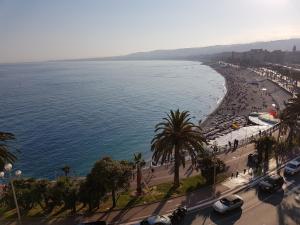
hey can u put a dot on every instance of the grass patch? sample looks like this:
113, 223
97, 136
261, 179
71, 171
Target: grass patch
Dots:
157, 193
126, 199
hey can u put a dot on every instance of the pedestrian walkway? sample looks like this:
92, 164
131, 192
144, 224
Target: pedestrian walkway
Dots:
238, 181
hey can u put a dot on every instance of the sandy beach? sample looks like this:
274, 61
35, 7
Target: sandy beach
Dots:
246, 92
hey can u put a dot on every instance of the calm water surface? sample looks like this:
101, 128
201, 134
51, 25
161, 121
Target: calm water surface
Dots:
76, 112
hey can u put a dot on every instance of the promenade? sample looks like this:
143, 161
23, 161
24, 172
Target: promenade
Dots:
235, 160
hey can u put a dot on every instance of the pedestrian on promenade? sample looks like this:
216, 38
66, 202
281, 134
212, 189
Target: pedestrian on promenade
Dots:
229, 143
237, 173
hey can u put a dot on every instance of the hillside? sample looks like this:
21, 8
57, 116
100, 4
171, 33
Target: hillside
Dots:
188, 53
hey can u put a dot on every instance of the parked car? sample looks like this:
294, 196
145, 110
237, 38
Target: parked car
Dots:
156, 220
228, 203
271, 183
292, 167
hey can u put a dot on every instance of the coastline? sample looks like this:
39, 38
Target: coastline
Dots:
243, 95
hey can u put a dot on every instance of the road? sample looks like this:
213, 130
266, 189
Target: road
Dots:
279, 208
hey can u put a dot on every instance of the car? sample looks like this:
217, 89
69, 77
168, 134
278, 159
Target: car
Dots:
228, 203
292, 168
156, 220
271, 183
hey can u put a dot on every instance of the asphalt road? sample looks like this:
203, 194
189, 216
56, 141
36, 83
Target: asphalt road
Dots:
279, 208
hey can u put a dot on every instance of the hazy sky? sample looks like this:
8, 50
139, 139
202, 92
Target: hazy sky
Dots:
32, 30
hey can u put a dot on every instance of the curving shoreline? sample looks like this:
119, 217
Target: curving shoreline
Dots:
245, 94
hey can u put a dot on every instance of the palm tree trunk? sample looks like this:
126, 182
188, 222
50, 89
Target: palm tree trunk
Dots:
176, 167
290, 136
279, 132
138, 180
113, 195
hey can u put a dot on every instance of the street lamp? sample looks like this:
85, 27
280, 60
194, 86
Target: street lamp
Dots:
7, 168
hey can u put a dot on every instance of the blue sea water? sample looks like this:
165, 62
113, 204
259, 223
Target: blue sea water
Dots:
77, 112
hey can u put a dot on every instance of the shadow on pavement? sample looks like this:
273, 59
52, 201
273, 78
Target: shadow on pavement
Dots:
227, 218
208, 215
288, 212
274, 198
201, 217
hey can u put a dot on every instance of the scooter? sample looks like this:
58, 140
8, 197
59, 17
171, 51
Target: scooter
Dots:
178, 214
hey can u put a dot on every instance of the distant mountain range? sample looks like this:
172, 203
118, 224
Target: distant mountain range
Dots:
200, 52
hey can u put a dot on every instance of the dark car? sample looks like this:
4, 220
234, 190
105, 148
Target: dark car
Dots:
271, 183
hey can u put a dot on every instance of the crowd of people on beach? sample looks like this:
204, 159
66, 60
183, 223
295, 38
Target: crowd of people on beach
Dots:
245, 94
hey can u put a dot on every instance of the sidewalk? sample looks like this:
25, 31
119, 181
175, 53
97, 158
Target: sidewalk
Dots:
164, 174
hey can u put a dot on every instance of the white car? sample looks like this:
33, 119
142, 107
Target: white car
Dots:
228, 203
156, 220
292, 167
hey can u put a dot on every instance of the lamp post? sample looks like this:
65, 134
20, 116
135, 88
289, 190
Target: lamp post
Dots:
215, 170
8, 169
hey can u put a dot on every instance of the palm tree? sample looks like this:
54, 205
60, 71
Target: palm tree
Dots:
139, 162
66, 169
280, 152
292, 114
264, 145
175, 137
5, 154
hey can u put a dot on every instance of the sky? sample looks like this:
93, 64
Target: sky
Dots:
37, 30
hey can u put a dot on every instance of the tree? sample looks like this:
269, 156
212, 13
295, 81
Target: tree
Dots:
264, 146
25, 192
111, 175
292, 117
175, 137
139, 163
210, 166
283, 124
5, 154
280, 151
66, 169
64, 192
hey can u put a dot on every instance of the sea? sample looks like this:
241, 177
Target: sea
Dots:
76, 112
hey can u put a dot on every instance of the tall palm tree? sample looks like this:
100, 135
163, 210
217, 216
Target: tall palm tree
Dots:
175, 137
5, 154
292, 114
139, 163
66, 169
264, 146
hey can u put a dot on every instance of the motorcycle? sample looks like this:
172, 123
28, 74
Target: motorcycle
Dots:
178, 214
